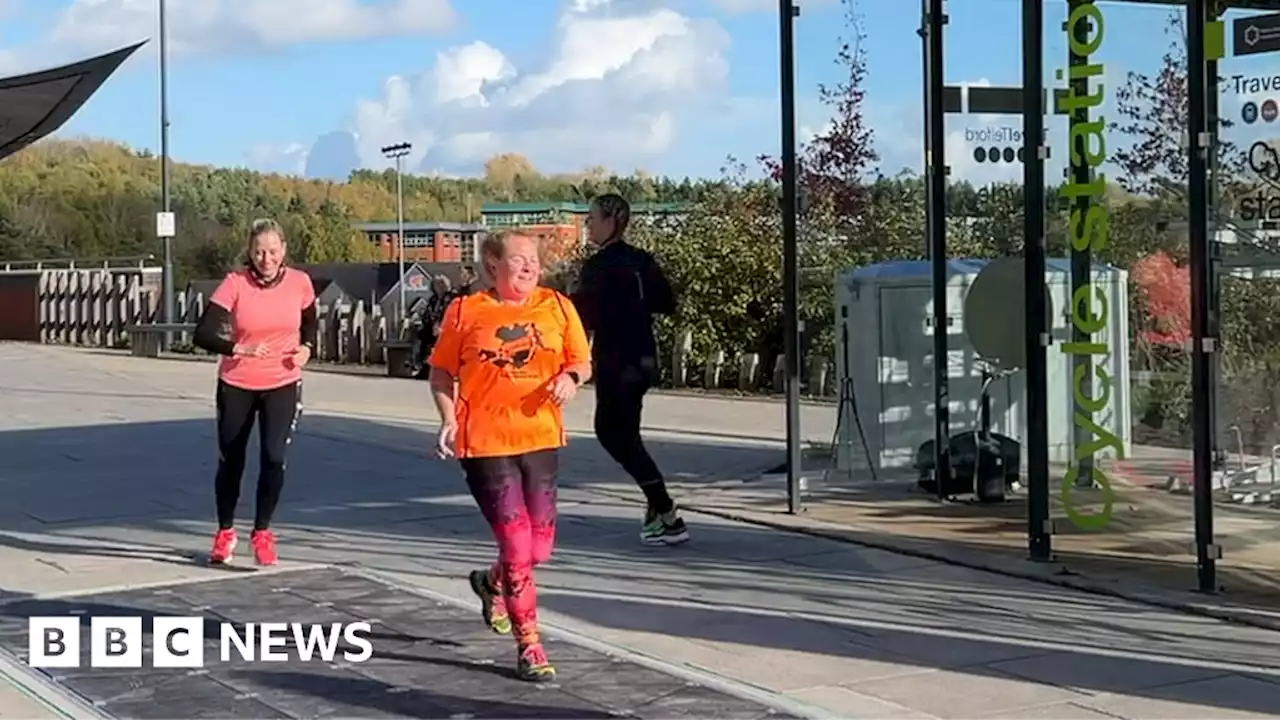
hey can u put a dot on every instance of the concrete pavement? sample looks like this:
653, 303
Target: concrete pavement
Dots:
107, 471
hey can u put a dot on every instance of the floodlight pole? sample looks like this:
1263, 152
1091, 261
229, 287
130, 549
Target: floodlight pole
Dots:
397, 152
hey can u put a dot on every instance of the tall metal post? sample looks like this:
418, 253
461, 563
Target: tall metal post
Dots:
165, 200
398, 152
936, 222
787, 12
400, 233
1216, 216
1039, 539
1203, 342
925, 107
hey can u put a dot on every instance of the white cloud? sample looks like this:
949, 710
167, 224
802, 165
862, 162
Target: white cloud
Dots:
620, 80
202, 26
10, 63
288, 159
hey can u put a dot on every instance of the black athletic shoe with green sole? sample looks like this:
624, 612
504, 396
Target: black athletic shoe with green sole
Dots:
663, 529
492, 607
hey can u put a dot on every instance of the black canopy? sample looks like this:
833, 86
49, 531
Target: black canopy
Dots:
35, 105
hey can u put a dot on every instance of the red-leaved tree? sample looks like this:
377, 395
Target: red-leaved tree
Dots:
835, 165
1164, 289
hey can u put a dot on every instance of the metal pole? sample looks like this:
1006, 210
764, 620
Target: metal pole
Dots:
165, 200
401, 314
935, 134
398, 152
1203, 343
787, 12
1039, 540
1215, 223
923, 32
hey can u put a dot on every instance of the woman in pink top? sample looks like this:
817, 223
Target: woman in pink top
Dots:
270, 313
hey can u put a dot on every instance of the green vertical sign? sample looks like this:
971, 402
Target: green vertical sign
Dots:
1088, 229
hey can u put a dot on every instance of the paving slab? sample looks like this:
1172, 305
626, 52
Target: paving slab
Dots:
19, 703
807, 622
431, 659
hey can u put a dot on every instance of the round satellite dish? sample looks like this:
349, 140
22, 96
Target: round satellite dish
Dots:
995, 312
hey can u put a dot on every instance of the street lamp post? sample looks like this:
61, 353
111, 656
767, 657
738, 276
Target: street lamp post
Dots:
397, 152
787, 12
165, 200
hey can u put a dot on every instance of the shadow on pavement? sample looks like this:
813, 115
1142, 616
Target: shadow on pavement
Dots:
366, 697
370, 494
430, 659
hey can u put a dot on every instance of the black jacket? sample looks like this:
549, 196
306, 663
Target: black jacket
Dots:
620, 289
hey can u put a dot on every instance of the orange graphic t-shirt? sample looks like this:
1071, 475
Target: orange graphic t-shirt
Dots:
504, 357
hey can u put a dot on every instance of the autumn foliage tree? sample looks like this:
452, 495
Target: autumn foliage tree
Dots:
1153, 111
1165, 293
837, 164
1154, 166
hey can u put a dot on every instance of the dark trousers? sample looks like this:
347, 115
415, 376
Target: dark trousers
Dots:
619, 406
422, 342
276, 413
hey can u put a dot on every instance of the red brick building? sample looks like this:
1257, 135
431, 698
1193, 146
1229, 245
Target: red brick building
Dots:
561, 225
437, 242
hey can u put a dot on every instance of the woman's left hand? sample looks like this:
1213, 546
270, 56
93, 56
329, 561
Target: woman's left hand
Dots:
563, 389
300, 357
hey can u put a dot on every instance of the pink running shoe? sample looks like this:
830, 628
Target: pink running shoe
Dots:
264, 547
224, 547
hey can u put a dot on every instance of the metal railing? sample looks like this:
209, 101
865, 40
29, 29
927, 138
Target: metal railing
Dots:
129, 264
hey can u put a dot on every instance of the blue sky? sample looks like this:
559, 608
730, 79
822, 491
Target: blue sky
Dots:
667, 86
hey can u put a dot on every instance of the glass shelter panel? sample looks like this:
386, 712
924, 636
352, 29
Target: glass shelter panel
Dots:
1117, 223
1245, 232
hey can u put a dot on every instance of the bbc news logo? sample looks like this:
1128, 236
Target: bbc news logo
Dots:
179, 642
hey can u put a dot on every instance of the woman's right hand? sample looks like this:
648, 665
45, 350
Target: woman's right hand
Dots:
258, 350
445, 440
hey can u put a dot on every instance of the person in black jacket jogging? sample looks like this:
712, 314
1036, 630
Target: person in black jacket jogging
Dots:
620, 289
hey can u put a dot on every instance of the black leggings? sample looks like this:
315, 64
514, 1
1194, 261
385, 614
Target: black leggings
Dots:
619, 406
277, 413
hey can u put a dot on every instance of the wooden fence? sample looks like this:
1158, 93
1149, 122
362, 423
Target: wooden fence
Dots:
96, 309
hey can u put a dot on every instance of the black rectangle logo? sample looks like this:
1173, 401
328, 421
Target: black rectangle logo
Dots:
1255, 34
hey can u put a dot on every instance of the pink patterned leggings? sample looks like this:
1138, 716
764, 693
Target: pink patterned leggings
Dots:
517, 496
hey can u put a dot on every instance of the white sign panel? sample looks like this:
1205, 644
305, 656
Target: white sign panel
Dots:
166, 225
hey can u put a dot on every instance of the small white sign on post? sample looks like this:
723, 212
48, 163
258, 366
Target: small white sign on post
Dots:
166, 225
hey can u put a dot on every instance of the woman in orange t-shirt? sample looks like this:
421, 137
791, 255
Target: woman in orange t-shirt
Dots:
506, 362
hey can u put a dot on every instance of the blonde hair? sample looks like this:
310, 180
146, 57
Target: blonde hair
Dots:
494, 247
263, 226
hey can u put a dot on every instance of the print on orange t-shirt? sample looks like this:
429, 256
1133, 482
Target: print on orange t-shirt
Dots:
504, 357
271, 315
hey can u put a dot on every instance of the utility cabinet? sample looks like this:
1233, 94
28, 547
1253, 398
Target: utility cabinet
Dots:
884, 363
